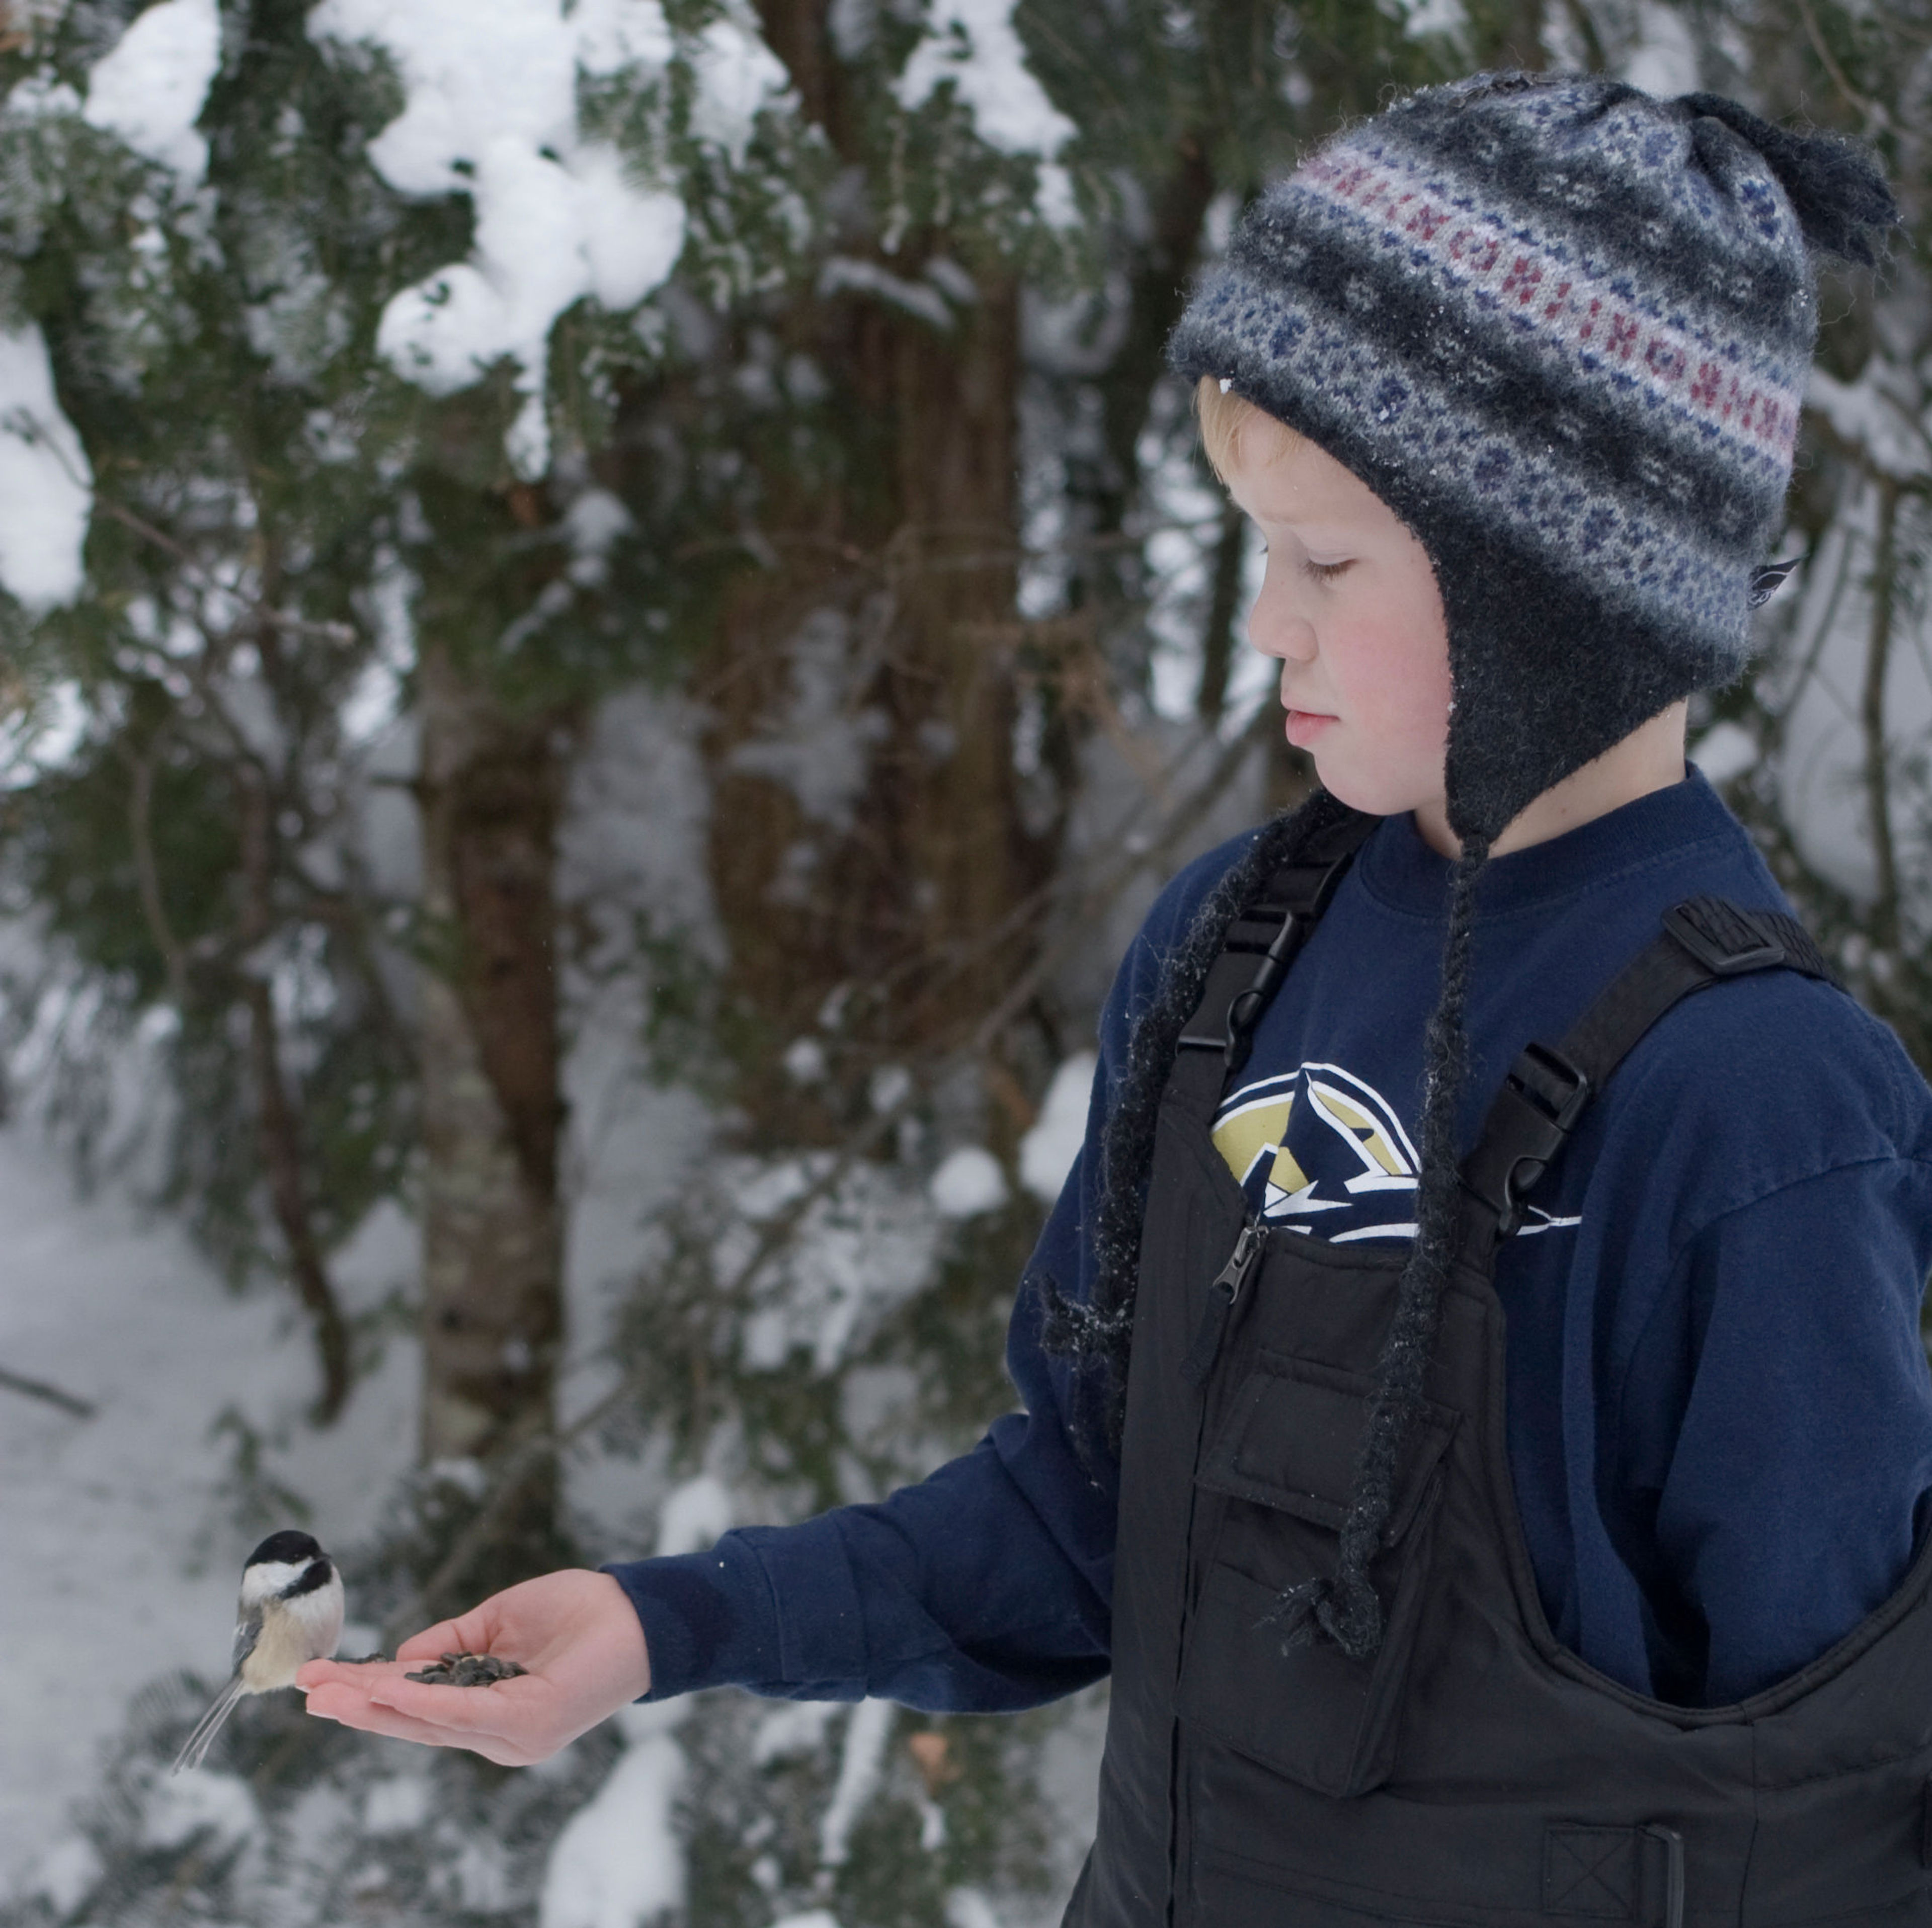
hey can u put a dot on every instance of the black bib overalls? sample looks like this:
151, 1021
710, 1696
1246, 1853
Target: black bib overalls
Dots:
1473, 1772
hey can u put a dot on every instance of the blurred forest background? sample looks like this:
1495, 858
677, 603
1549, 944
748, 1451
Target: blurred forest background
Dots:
607, 619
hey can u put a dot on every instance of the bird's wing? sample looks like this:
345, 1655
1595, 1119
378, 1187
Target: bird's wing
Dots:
247, 1631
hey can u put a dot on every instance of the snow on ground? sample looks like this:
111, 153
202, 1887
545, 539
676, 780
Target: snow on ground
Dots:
117, 1308
115, 1305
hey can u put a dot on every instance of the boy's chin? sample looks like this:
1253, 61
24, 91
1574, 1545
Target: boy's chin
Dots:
1375, 795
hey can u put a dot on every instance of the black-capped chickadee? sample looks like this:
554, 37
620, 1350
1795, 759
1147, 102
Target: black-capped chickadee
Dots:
290, 1612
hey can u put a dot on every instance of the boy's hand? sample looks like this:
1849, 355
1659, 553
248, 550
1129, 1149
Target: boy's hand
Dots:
575, 1633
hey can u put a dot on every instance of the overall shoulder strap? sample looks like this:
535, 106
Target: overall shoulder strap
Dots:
1256, 951
1704, 940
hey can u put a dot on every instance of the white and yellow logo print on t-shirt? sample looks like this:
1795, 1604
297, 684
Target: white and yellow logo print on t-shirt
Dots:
1320, 1151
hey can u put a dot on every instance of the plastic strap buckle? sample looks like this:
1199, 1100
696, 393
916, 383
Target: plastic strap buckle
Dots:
1541, 1099
1725, 940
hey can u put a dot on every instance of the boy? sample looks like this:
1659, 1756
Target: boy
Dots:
1406, 1623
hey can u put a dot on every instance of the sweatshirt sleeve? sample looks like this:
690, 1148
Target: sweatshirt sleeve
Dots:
987, 1586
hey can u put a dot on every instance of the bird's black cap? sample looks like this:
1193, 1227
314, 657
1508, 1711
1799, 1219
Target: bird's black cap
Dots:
287, 1547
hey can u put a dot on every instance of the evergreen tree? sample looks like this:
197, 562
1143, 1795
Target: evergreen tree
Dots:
805, 369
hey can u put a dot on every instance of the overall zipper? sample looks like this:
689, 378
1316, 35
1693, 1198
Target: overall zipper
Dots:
1222, 1292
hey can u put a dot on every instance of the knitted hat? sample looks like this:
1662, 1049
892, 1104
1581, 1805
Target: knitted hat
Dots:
1563, 329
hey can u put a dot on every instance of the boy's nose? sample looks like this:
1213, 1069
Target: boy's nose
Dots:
1280, 633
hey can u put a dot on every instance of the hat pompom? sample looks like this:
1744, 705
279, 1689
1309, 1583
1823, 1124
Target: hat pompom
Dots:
1844, 206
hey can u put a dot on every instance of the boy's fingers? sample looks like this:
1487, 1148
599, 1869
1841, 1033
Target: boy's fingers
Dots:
445, 1637
465, 1709
313, 1673
371, 1717
351, 1709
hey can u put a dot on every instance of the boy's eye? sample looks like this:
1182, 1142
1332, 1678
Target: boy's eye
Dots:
1324, 572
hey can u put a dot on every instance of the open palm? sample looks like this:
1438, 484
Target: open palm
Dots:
576, 1634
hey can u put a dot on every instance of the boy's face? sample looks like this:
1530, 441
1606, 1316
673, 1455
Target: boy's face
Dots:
1350, 606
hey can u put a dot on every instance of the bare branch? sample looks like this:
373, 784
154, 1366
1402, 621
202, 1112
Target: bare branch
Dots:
1874, 112
282, 1152
1885, 915
52, 1395
147, 878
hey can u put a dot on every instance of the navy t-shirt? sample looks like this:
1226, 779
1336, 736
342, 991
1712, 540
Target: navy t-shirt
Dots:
1720, 1411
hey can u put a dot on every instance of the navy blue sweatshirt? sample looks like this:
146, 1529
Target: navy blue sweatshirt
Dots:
1720, 1411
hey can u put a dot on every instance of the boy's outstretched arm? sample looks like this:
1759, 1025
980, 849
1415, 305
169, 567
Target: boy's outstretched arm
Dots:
987, 1586
576, 1634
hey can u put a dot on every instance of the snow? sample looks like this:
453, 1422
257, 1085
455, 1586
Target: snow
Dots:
491, 111
46, 487
972, 45
1821, 764
43, 737
617, 1863
792, 1729
66, 1873
149, 87
373, 702
804, 1061
1048, 1151
1725, 750
968, 1182
856, 1252
819, 745
1663, 56
182, 1807
1882, 414
397, 1805
146, 1482
860, 1765
695, 1516
841, 272
1435, 17
738, 78
594, 524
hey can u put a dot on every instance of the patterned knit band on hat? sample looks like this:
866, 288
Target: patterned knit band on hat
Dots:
1563, 330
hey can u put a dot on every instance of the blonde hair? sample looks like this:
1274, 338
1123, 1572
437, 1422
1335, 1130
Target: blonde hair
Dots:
1227, 422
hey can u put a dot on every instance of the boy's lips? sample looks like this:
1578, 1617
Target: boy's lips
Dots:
1304, 726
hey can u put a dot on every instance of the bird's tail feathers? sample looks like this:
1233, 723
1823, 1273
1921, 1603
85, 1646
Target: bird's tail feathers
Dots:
194, 1749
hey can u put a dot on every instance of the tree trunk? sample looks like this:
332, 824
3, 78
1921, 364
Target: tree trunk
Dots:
867, 833
490, 788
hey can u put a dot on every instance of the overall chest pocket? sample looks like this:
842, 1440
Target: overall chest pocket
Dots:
1278, 1474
